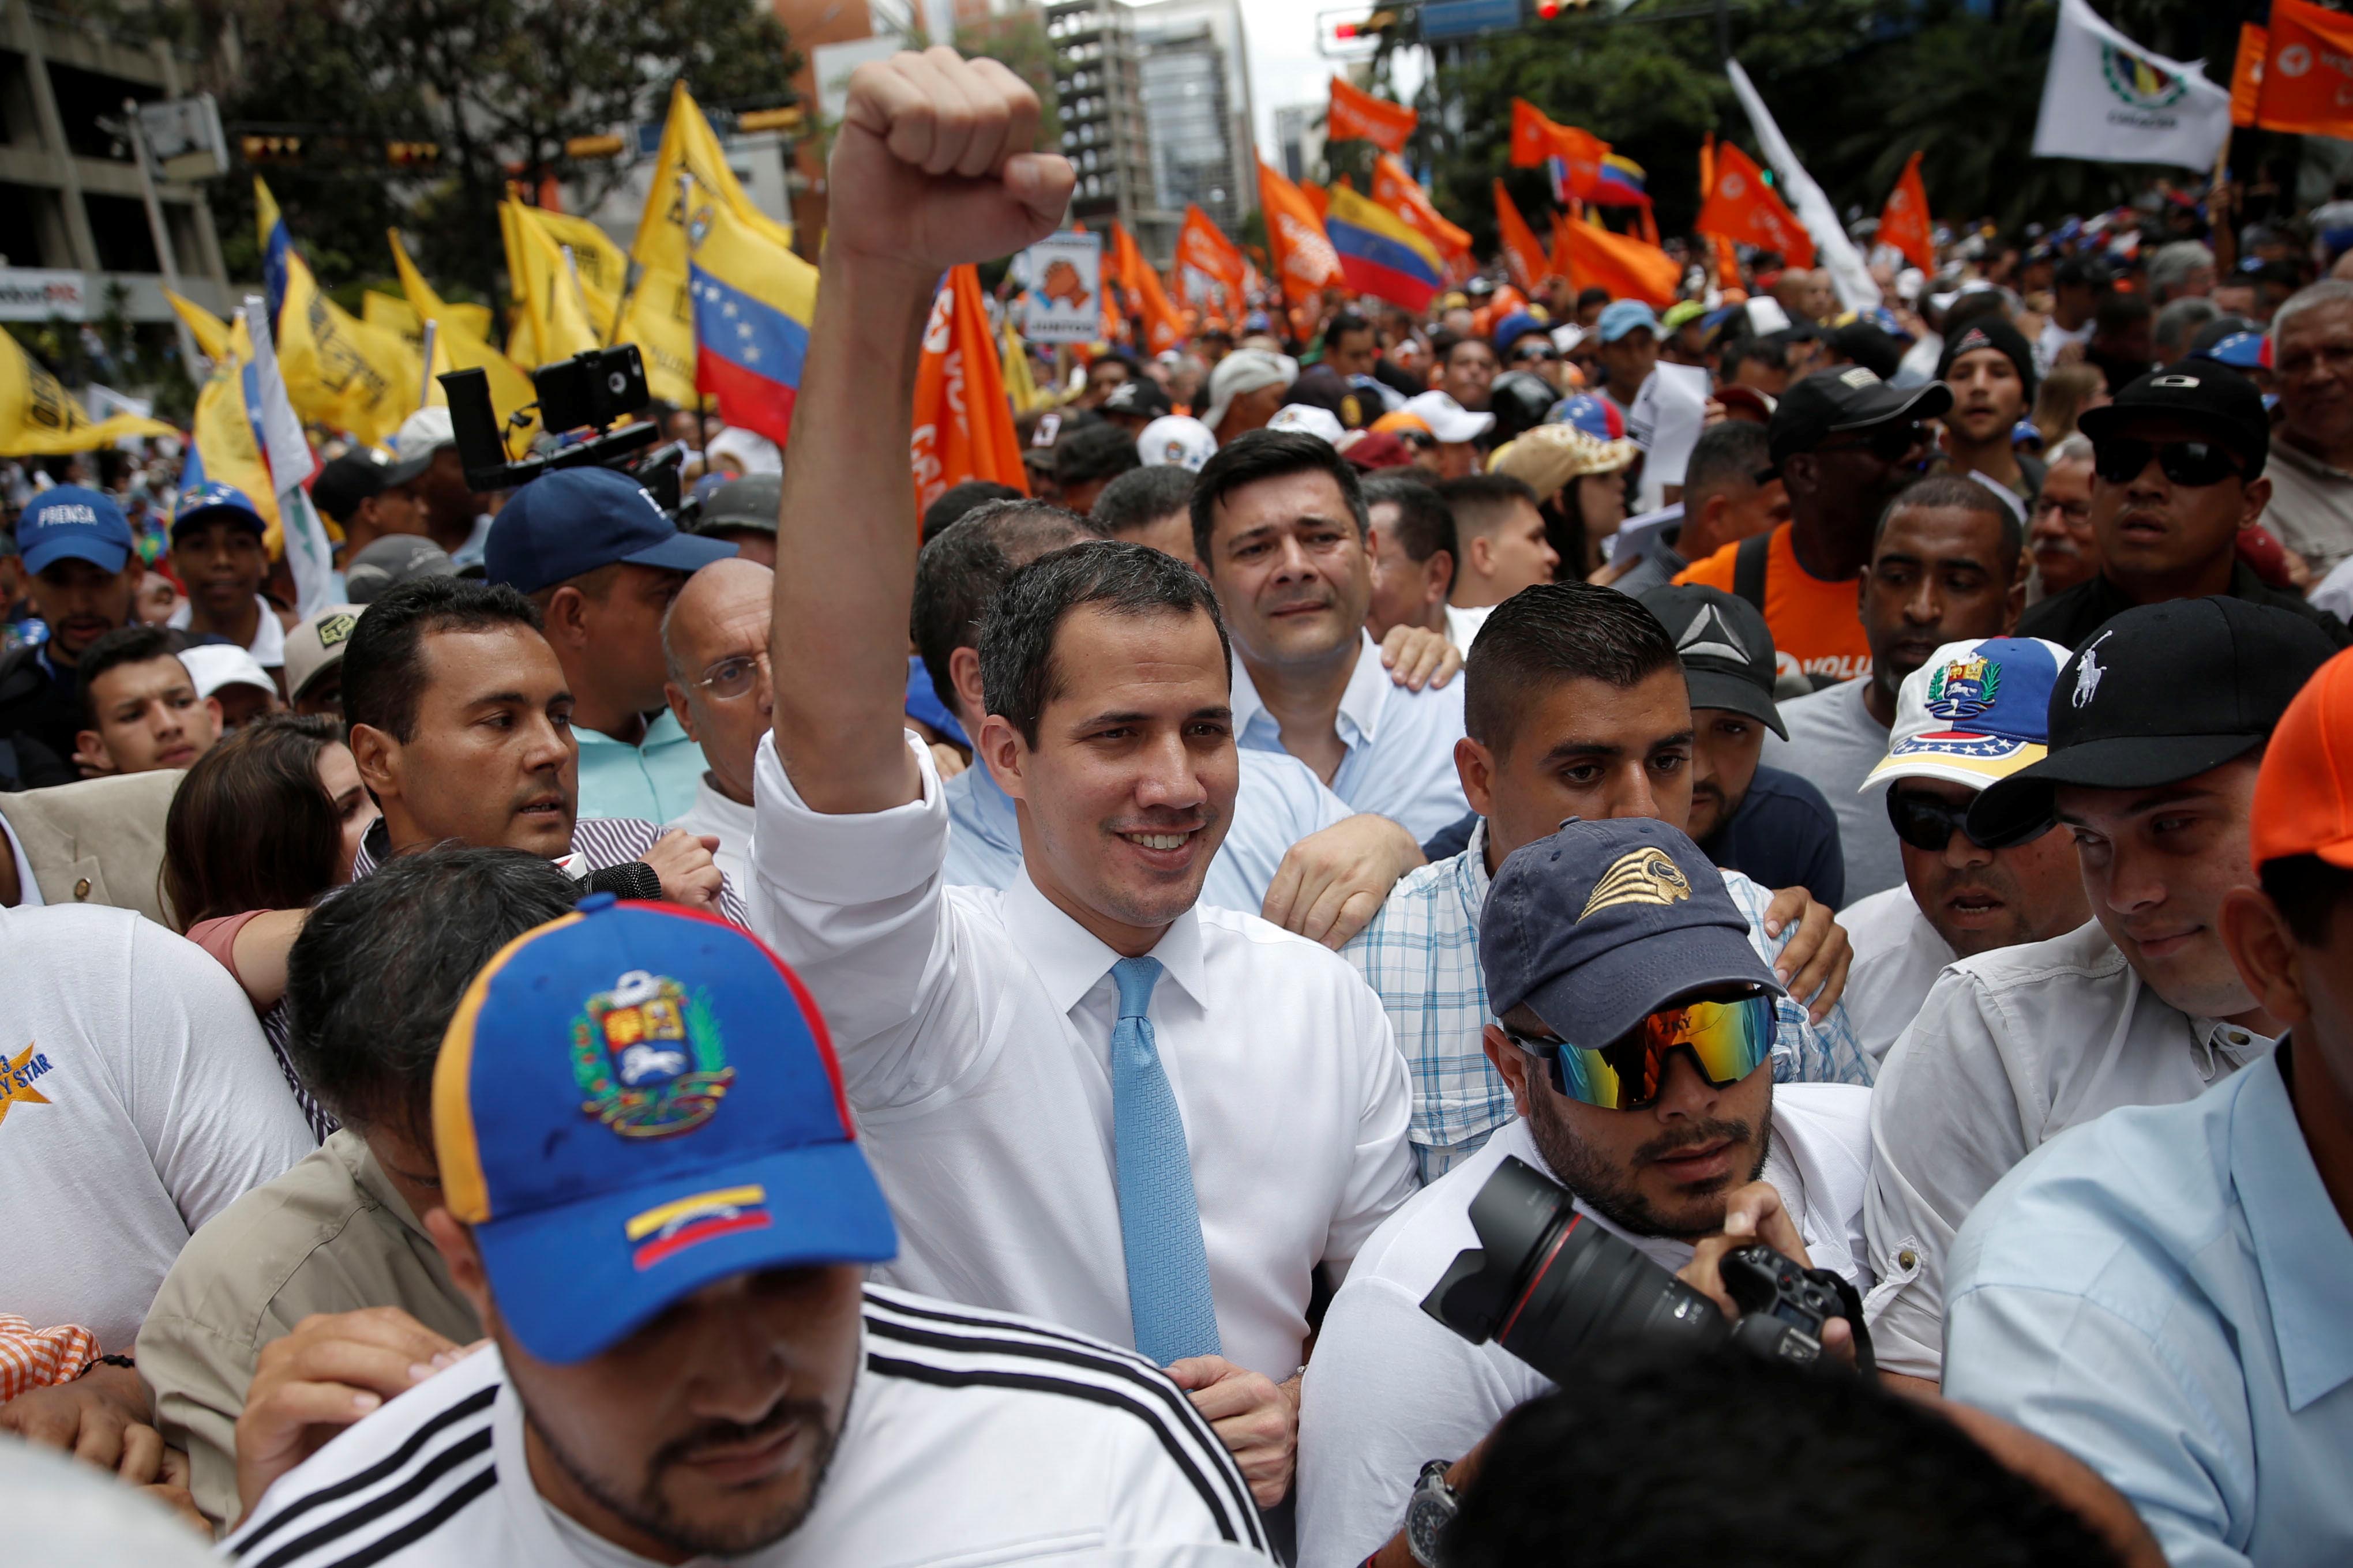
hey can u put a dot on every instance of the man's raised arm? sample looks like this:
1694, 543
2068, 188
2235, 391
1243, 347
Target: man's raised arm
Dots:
931, 167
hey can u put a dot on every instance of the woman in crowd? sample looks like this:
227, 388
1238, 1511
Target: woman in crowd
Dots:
2067, 393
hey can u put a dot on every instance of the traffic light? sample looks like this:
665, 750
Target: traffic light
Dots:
413, 154
264, 150
786, 119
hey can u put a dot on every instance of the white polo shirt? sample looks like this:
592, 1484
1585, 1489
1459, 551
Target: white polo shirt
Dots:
1389, 1387
974, 1031
1897, 957
2010, 1049
970, 1437
268, 645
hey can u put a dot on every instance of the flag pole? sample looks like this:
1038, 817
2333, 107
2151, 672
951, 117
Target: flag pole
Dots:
686, 223
425, 389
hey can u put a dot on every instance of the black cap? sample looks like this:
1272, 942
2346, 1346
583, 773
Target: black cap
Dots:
2213, 397
1725, 647
344, 483
2090, 268
395, 559
1995, 333
2158, 694
749, 502
1869, 346
1138, 397
1851, 399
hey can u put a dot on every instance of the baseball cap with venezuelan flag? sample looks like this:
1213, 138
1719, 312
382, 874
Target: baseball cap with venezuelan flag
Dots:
633, 1102
1977, 711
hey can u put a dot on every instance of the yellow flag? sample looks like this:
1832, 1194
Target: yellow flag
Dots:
390, 313
39, 418
1020, 385
458, 344
548, 289
339, 371
224, 445
604, 265
210, 332
660, 319
689, 147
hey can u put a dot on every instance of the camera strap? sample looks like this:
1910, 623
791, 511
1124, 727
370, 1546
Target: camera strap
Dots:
1865, 1362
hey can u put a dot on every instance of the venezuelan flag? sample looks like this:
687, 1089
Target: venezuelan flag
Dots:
1379, 254
752, 301
1619, 182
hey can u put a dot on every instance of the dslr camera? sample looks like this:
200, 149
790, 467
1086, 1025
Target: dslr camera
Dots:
592, 390
1552, 1287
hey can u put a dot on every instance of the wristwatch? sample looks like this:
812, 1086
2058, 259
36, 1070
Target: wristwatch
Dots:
1429, 1512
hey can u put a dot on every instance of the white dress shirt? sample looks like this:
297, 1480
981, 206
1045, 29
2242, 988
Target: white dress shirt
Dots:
1280, 802
725, 820
1389, 1387
1897, 957
2011, 1049
1401, 743
974, 1032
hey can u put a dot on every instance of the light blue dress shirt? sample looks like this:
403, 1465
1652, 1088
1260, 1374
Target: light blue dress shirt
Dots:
1400, 761
1280, 803
2167, 1292
653, 781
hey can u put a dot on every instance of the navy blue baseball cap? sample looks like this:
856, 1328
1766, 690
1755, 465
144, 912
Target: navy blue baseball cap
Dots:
68, 520
634, 1101
575, 519
1606, 922
213, 500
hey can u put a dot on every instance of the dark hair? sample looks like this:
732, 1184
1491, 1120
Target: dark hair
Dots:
383, 663
1958, 492
249, 828
1481, 503
1446, 358
123, 645
1268, 455
380, 967
2308, 892
958, 499
2116, 311
1724, 462
1592, 297
1976, 302
1343, 325
1551, 633
1017, 674
1424, 525
1142, 496
1098, 452
1771, 352
1652, 1460
958, 573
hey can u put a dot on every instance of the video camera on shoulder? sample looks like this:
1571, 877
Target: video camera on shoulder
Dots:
1551, 1287
591, 391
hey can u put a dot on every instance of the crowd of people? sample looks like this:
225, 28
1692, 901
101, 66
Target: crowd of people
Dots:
825, 1034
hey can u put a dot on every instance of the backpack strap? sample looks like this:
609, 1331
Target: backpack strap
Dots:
1748, 569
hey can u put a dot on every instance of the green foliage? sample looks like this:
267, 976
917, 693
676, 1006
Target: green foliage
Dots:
1018, 40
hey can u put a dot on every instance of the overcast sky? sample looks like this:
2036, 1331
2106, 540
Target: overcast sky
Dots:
1285, 67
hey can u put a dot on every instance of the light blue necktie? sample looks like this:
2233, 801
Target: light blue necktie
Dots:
1159, 1218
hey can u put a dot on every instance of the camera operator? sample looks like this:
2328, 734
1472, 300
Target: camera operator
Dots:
1607, 931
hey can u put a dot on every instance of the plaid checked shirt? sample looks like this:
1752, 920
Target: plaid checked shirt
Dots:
1421, 954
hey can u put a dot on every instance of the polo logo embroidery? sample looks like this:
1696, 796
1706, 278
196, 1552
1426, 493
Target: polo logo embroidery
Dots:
1645, 876
649, 1057
2088, 673
673, 1227
1963, 690
17, 1076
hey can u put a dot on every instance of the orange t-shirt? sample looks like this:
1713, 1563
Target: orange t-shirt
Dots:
1817, 629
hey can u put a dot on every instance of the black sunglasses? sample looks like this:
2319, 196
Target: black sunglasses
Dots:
1928, 823
2196, 464
1534, 353
1888, 443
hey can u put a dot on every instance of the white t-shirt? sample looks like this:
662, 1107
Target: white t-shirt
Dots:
1833, 744
137, 1101
2055, 337
724, 820
268, 645
1390, 1388
972, 1438
1897, 957
1463, 625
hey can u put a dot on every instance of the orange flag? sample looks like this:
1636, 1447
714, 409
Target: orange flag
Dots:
1302, 255
2247, 72
1139, 286
1400, 192
1727, 262
1903, 221
2308, 74
1741, 207
1202, 247
1592, 257
1317, 197
1357, 115
1526, 259
1536, 138
963, 421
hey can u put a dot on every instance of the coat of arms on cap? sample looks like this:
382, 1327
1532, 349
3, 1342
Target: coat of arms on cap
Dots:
1963, 690
648, 1056
1645, 876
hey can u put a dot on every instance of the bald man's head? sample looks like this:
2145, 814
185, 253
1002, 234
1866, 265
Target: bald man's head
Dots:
715, 643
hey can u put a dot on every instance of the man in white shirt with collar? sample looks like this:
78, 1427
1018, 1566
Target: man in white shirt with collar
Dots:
216, 546
1618, 932
1279, 521
2158, 725
1085, 1097
715, 645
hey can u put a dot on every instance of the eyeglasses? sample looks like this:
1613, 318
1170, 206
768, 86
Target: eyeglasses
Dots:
1888, 443
1534, 351
1726, 1041
1420, 440
1928, 823
732, 679
2195, 464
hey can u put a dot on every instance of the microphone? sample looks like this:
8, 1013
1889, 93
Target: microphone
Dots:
631, 880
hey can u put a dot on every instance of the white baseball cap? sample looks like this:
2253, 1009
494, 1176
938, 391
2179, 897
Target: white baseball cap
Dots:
1448, 420
215, 665
1175, 439
422, 431
1308, 420
1246, 371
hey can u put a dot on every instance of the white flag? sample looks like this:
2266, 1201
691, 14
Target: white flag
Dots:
2108, 99
1850, 275
288, 451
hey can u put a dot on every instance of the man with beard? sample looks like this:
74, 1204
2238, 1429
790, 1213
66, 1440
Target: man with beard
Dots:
1990, 368
1614, 932
685, 1358
1977, 711
2059, 528
84, 572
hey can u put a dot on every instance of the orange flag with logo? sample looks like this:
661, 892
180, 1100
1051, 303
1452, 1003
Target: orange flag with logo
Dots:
1526, 258
1903, 221
1139, 285
2308, 71
1592, 257
1536, 138
1357, 114
2247, 72
1400, 192
1741, 207
964, 420
1301, 254
1202, 247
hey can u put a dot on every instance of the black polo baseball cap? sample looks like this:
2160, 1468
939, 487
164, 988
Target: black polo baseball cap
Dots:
1725, 647
751, 502
2203, 393
2158, 694
1606, 922
1850, 397
2089, 270
1138, 397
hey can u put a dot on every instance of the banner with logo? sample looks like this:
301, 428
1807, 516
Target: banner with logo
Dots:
2110, 101
1357, 114
2307, 79
1903, 221
2247, 72
1065, 304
